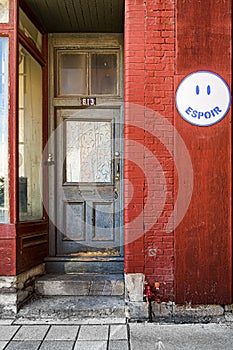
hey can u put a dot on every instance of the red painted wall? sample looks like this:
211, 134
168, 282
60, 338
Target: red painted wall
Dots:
164, 42
22, 245
203, 241
8, 231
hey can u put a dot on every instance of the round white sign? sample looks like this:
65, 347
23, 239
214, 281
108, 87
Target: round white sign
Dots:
203, 98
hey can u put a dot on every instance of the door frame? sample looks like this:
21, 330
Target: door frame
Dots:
80, 41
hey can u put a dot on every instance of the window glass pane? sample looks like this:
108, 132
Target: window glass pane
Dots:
30, 30
88, 151
4, 11
4, 199
30, 137
73, 75
104, 74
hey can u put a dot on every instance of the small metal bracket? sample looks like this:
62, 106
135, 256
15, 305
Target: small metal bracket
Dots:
50, 160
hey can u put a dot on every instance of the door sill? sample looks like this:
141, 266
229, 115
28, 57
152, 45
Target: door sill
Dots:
85, 264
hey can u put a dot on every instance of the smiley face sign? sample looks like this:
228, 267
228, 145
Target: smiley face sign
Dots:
203, 98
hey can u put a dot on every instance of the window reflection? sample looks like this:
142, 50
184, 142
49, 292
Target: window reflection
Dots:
30, 30
87, 73
104, 74
4, 200
30, 137
4, 11
73, 80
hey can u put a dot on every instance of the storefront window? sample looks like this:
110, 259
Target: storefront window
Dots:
4, 200
4, 11
30, 30
30, 137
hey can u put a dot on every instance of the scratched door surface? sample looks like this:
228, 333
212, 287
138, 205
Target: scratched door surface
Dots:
88, 181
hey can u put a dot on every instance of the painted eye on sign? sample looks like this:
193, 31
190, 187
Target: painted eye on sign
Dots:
203, 98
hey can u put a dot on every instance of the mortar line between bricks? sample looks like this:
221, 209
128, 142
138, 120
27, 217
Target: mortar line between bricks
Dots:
128, 334
44, 337
108, 341
76, 338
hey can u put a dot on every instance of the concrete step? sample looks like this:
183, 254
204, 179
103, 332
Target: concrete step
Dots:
85, 264
80, 285
71, 309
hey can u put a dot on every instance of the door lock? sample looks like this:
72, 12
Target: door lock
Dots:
115, 193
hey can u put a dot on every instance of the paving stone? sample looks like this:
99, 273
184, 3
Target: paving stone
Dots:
7, 332
118, 332
2, 344
62, 333
181, 337
23, 345
118, 344
90, 345
93, 333
31, 333
57, 345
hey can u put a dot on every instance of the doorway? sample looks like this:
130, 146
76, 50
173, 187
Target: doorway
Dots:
86, 150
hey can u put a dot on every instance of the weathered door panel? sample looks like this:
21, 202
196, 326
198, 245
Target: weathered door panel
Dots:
87, 204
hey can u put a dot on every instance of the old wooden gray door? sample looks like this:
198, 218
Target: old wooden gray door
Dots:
89, 171
88, 146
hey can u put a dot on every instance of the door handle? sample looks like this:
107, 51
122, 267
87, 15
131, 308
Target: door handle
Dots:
115, 192
117, 176
117, 169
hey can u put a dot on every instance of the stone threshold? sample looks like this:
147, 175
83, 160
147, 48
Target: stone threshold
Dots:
79, 284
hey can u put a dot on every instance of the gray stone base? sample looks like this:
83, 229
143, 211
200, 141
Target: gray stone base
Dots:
14, 290
71, 309
138, 310
169, 312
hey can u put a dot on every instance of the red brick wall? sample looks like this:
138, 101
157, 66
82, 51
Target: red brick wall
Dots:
164, 42
149, 75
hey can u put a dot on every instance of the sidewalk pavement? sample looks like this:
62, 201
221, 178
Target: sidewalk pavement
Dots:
131, 336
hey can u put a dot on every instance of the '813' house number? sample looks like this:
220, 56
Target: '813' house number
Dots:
88, 101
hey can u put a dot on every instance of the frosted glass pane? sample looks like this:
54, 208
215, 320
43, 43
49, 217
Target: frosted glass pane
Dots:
104, 74
4, 11
4, 197
73, 78
88, 151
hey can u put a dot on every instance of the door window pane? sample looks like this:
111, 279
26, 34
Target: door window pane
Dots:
88, 151
73, 74
4, 11
104, 74
4, 198
30, 137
